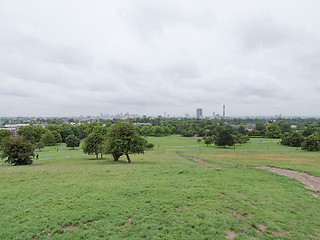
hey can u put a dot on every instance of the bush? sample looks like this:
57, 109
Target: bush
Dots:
72, 141
292, 139
19, 151
312, 142
149, 146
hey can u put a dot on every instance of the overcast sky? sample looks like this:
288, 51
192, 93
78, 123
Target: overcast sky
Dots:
73, 57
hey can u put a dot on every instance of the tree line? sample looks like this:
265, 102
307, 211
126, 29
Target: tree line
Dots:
222, 132
118, 139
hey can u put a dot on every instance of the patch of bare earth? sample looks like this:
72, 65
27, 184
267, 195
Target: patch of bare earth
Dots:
239, 215
280, 233
231, 234
310, 182
194, 159
70, 227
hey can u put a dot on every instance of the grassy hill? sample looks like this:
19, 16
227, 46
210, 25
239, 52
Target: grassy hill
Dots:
161, 195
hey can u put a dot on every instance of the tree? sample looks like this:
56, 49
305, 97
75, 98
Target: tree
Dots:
39, 145
294, 139
72, 141
209, 140
224, 138
284, 127
32, 133
242, 130
18, 151
260, 127
48, 139
150, 146
157, 131
4, 133
312, 142
93, 144
65, 130
273, 131
124, 139
241, 139
189, 133
145, 130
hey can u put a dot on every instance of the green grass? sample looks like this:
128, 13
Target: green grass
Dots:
175, 142
161, 195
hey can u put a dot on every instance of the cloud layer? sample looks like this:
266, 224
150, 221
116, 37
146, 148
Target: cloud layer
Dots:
89, 57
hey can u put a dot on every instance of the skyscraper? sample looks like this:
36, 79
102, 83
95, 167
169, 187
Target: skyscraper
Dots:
224, 111
199, 113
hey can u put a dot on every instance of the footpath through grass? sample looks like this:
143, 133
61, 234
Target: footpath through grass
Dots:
161, 195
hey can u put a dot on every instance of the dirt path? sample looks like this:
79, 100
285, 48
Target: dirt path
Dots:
310, 182
194, 159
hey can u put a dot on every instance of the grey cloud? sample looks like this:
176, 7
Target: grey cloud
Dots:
265, 33
155, 56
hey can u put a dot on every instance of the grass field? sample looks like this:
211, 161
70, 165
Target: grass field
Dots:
161, 195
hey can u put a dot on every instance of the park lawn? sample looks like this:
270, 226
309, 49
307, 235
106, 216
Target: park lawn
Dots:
161, 195
176, 142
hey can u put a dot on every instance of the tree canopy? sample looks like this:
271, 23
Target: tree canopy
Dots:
72, 141
224, 138
18, 151
273, 131
4, 133
93, 144
124, 139
48, 139
312, 142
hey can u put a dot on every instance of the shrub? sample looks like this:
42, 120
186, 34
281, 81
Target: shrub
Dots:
19, 151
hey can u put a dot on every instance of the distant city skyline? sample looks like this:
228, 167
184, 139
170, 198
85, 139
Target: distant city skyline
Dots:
259, 58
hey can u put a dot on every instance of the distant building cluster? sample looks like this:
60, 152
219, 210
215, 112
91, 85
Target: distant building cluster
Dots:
199, 114
14, 128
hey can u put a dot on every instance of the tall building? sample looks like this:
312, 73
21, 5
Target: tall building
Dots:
224, 111
199, 113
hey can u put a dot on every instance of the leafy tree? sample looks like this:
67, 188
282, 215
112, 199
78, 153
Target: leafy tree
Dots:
4, 133
32, 133
48, 139
189, 133
39, 145
145, 130
294, 139
171, 129
18, 151
124, 139
65, 130
149, 146
242, 130
57, 136
308, 131
254, 133
260, 127
157, 131
224, 138
52, 127
312, 142
72, 141
241, 139
93, 144
101, 129
209, 140
284, 127
273, 131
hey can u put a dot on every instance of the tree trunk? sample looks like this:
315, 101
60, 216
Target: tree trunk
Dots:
115, 157
129, 161
97, 156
